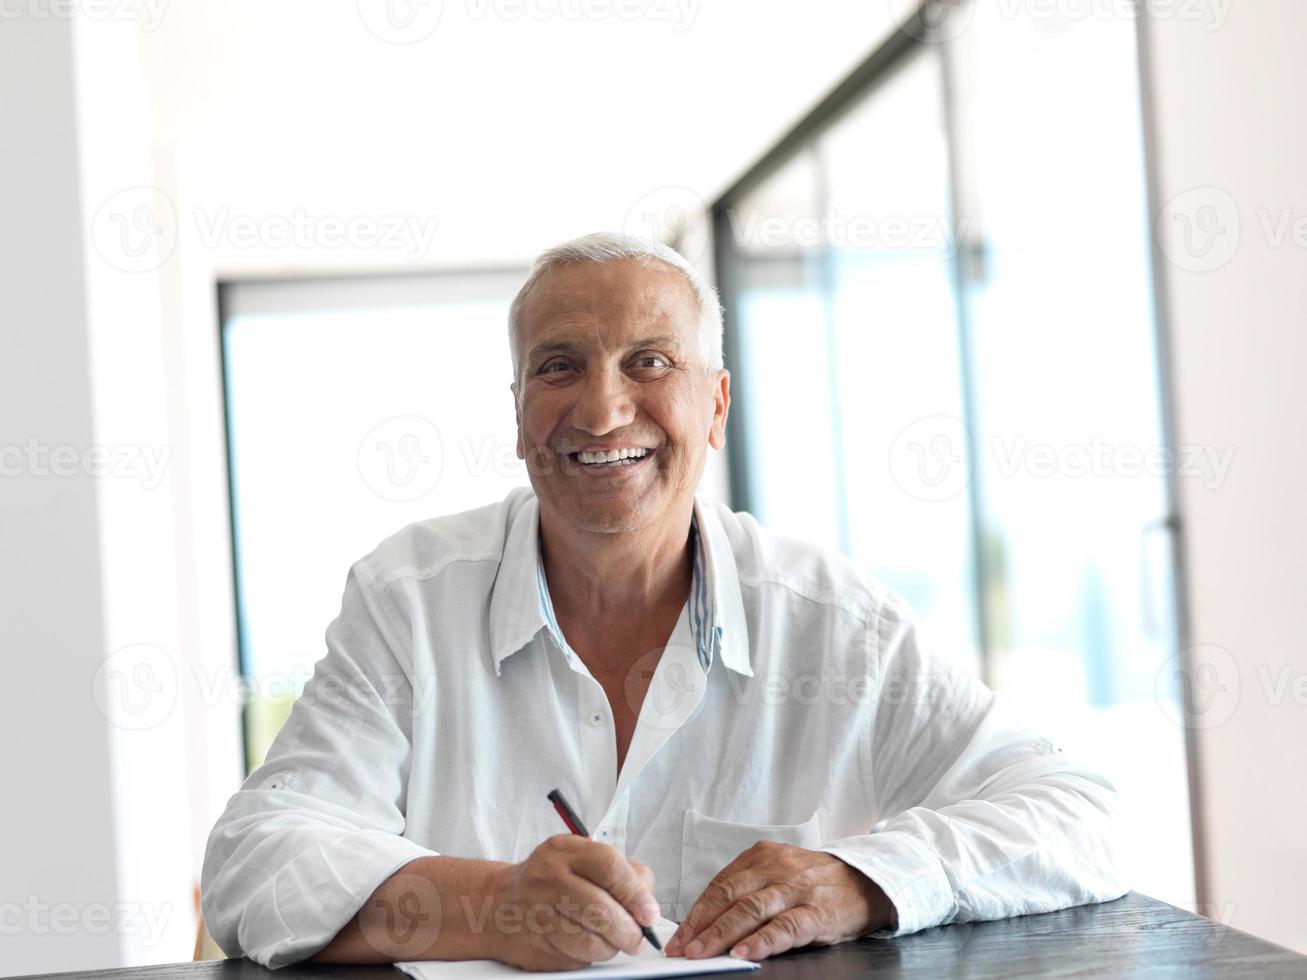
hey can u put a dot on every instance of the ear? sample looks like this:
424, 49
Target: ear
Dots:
517, 414
721, 408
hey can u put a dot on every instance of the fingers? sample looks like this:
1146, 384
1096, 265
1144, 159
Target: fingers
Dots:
599, 891
742, 918
790, 929
609, 870
585, 907
572, 902
726, 888
645, 874
776, 897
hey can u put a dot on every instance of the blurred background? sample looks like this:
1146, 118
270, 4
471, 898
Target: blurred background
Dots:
1015, 310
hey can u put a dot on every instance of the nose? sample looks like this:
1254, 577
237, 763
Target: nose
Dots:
603, 403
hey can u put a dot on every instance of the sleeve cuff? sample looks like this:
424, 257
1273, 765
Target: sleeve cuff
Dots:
909, 874
306, 903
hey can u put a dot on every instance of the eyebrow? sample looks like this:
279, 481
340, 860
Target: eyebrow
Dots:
571, 346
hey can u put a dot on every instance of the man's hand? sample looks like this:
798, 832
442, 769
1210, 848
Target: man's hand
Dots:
571, 903
775, 897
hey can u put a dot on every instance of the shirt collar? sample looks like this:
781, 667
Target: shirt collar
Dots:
520, 606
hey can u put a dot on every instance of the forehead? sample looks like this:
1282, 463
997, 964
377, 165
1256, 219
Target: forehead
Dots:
609, 301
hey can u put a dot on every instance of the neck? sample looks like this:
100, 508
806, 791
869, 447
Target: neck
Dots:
599, 577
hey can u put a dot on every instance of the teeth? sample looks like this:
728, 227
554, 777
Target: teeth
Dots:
612, 456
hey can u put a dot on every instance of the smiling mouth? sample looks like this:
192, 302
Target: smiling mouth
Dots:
598, 462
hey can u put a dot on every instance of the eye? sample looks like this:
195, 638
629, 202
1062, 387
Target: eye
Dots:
642, 361
552, 364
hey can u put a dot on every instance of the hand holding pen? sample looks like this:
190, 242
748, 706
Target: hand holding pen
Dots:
575, 825
568, 905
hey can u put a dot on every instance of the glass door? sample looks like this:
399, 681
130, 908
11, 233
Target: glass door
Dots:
945, 365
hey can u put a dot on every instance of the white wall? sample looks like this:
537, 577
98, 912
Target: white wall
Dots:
1232, 154
89, 607
57, 849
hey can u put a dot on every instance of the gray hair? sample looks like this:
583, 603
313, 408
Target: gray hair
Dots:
606, 246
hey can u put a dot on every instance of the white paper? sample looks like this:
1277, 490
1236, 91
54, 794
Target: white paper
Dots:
647, 963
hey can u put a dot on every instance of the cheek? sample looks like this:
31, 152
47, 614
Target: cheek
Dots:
687, 418
539, 419
680, 417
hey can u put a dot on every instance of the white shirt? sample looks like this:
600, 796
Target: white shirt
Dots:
793, 702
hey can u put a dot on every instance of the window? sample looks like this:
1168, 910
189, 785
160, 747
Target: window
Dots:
354, 407
941, 334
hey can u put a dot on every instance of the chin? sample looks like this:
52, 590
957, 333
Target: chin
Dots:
607, 517
600, 514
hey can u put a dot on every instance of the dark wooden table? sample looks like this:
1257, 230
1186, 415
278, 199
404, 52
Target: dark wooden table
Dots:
1135, 936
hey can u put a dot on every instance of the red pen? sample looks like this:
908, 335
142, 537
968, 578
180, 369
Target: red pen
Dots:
575, 825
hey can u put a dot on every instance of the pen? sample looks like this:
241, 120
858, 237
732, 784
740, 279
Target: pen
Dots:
575, 825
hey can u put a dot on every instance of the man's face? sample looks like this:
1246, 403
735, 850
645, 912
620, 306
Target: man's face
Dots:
610, 360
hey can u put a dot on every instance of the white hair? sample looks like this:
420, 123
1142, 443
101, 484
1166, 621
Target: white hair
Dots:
605, 246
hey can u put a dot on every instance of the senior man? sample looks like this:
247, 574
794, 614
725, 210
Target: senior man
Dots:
762, 748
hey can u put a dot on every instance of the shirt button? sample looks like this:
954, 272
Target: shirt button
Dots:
603, 833
596, 718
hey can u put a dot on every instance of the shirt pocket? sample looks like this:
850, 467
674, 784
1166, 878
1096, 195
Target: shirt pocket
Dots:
709, 844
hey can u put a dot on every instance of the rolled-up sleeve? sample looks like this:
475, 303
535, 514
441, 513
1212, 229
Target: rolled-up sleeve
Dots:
319, 826
981, 817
